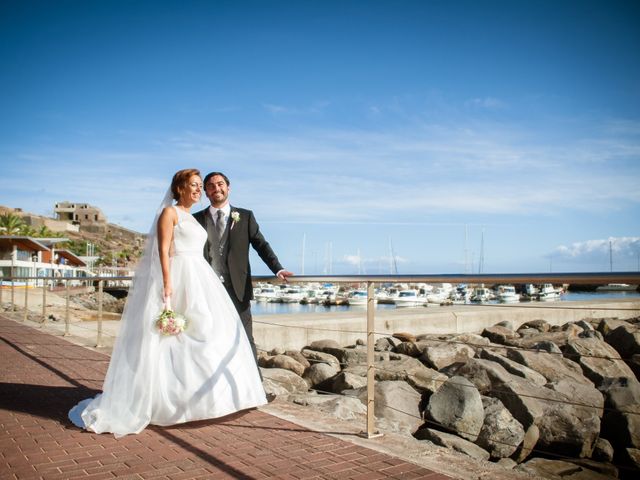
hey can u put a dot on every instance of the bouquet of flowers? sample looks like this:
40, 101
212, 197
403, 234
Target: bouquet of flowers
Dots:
170, 322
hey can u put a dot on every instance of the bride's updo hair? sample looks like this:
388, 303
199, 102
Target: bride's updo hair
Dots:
180, 181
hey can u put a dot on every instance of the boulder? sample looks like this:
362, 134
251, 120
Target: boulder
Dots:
407, 369
314, 356
514, 367
354, 356
506, 324
283, 379
498, 334
395, 401
298, 357
404, 337
318, 373
286, 362
411, 349
446, 354
454, 442
457, 407
552, 366
622, 428
607, 325
276, 351
598, 360
634, 365
603, 451
625, 339
383, 344
564, 427
583, 394
557, 337
540, 325
559, 469
531, 437
471, 339
320, 345
501, 434
547, 346
345, 381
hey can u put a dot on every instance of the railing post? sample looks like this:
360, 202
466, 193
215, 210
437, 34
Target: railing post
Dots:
44, 303
13, 293
26, 302
66, 315
371, 373
100, 290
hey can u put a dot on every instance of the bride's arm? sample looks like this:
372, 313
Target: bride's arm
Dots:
168, 218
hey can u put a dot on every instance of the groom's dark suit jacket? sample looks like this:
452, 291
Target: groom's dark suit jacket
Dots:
235, 251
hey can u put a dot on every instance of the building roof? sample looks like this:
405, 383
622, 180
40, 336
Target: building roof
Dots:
72, 257
25, 242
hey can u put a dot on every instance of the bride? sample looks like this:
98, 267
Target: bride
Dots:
206, 371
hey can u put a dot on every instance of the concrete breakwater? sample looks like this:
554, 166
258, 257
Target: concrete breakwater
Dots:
554, 401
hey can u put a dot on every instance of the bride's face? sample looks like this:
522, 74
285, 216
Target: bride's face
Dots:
194, 190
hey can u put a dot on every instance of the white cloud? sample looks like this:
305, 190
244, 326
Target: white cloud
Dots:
619, 247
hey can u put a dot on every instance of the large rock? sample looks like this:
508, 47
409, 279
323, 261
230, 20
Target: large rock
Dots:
552, 366
621, 421
345, 381
314, 356
411, 349
284, 379
298, 357
396, 402
597, 360
457, 407
499, 334
559, 469
607, 325
558, 338
501, 434
446, 354
514, 367
473, 340
583, 394
563, 426
540, 325
407, 369
354, 356
318, 373
625, 339
454, 442
286, 362
320, 345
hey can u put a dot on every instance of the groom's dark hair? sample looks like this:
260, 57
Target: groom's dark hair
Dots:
212, 174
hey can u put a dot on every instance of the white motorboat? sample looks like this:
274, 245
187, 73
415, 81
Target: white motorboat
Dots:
548, 293
507, 294
359, 298
482, 295
440, 293
409, 298
292, 295
265, 294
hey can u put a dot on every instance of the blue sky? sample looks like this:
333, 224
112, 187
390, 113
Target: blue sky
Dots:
428, 125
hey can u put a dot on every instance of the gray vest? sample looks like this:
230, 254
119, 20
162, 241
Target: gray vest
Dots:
217, 248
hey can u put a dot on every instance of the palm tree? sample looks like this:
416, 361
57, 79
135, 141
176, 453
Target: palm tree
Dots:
11, 224
44, 232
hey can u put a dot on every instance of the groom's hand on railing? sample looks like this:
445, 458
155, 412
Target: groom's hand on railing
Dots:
284, 274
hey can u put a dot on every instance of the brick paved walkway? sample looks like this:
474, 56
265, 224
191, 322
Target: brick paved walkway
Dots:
42, 376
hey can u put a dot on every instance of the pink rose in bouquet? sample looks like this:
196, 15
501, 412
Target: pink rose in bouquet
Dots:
171, 323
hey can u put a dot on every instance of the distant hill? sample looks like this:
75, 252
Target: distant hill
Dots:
110, 241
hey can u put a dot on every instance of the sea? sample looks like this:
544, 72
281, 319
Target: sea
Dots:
264, 308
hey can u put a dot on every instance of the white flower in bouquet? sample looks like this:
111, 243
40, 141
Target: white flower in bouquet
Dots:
171, 323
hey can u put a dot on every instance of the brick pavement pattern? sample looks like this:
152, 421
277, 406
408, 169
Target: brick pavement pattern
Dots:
43, 376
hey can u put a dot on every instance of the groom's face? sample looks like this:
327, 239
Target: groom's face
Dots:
217, 191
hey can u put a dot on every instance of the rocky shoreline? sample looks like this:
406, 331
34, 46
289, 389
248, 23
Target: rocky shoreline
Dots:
552, 401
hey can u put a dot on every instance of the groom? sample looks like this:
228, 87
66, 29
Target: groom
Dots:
230, 231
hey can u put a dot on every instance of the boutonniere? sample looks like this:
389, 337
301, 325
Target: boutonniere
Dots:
235, 217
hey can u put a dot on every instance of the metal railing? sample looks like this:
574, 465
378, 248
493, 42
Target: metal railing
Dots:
370, 281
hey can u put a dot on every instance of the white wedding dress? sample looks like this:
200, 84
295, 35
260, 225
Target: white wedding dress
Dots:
207, 371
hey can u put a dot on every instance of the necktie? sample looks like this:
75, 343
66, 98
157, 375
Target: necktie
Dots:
220, 223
